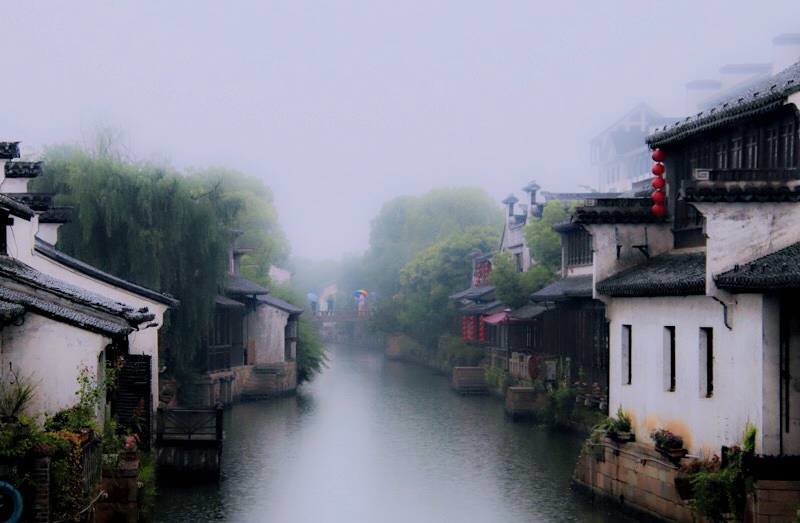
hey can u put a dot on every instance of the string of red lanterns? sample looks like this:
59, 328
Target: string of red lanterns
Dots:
659, 195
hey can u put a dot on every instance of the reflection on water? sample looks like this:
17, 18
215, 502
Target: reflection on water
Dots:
372, 440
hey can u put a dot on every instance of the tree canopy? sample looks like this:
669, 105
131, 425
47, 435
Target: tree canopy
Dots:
543, 242
407, 225
147, 223
420, 308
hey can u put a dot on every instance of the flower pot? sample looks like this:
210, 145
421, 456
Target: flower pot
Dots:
622, 437
672, 454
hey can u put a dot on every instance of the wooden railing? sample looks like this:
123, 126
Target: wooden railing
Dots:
497, 358
189, 425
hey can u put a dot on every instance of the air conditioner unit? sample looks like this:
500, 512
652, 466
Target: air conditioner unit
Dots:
701, 175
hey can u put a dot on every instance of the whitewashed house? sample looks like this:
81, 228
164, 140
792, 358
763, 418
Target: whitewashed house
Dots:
251, 350
61, 314
703, 302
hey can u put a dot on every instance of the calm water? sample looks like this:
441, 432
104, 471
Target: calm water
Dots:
372, 440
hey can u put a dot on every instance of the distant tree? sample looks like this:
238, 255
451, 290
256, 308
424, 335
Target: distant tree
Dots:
420, 308
513, 288
543, 242
406, 226
250, 206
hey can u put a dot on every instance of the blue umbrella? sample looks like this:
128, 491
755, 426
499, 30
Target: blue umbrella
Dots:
312, 297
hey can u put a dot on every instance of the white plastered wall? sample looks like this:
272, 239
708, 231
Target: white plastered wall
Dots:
740, 358
52, 353
267, 330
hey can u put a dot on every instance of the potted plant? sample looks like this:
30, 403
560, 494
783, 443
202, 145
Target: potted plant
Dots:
668, 443
617, 428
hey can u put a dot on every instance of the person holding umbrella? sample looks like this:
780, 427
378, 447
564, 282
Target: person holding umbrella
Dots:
313, 299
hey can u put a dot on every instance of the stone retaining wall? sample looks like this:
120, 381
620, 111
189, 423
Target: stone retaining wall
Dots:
634, 479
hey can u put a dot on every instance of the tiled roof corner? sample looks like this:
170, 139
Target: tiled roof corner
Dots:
16, 208
236, 285
764, 95
23, 169
775, 271
9, 150
57, 215
37, 201
48, 250
280, 304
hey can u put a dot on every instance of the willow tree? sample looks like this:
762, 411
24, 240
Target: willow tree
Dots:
150, 225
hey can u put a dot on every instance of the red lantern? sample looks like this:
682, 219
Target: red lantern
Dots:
658, 209
658, 169
659, 196
659, 183
658, 155
482, 331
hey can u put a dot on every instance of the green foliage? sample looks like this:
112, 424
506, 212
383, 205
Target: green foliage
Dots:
16, 392
615, 425
453, 352
16, 439
420, 309
66, 478
311, 352
91, 396
666, 439
543, 242
496, 378
513, 288
559, 407
406, 226
720, 491
148, 490
149, 224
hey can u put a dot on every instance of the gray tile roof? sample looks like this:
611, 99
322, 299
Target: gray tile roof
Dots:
238, 286
671, 274
617, 210
776, 271
70, 313
23, 169
227, 303
9, 150
37, 201
49, 251
526, 312
481, 291
762, 96
482, 308
570, 287
16, 208
20, 277
56, 215
279, 304
710, 192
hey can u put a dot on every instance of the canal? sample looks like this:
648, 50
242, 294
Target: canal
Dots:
374, 440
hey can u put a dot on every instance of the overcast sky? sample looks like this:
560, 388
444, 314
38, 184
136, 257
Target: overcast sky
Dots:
340, 106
